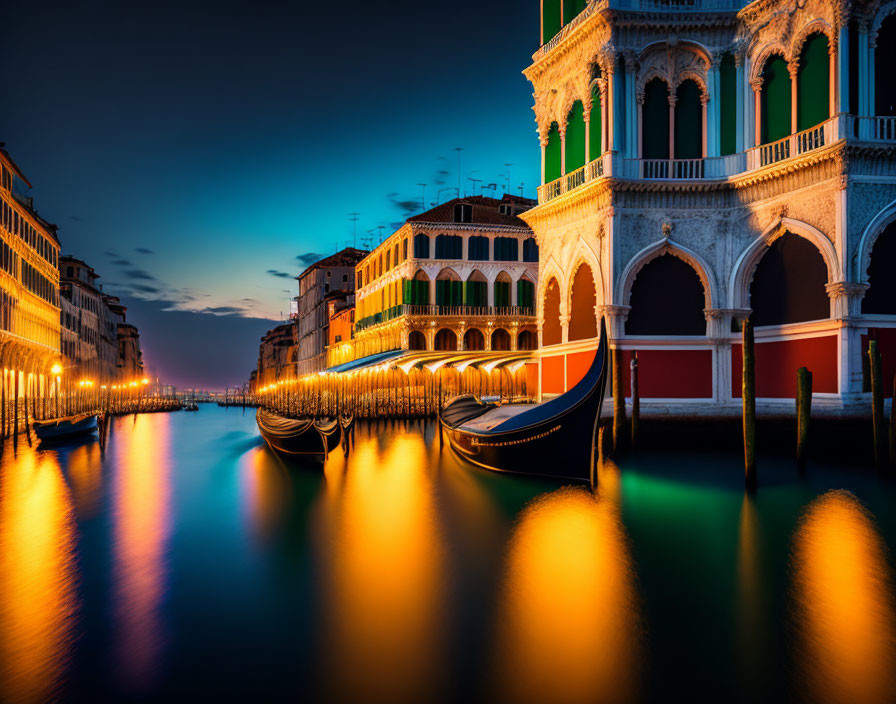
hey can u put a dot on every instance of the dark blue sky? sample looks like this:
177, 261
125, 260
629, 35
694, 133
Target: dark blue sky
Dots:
196, 153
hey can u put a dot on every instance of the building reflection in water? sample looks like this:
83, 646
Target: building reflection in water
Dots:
85, 474
569, 628
141, 528
383, 573
37, 576
751, 601
844, 604
265, 490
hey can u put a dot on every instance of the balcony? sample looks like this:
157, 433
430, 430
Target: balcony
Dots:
432, 311
611, 164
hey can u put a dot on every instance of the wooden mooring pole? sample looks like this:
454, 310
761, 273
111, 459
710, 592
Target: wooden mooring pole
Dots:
749, 402
877, 406
636, 399
618, 403
803, 413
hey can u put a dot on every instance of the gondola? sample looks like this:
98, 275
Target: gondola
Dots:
299, 439
556, 439
65, 428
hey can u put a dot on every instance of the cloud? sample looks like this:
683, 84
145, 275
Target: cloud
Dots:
407, 206
143, 288
279, 274
75, 218
309, 258
112, 255
140, 274
122, 262
143, 250
222, 310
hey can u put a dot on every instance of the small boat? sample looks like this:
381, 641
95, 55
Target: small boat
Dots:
63, 428
299, 438
191, 406
556, 439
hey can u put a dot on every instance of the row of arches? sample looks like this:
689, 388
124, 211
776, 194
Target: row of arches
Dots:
669, 296
479, 248
451, 290
446, 340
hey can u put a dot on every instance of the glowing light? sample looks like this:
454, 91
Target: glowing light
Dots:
56, 370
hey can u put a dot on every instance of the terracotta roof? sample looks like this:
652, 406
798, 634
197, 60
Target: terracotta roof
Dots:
486, 211
346, 257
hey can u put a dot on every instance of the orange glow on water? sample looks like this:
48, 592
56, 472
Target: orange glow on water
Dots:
569, 628
383, 589
266, 484
85, 474
843, 589
142, 524
37, 576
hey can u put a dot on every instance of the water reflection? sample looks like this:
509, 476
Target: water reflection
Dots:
265, 489
141, 528
569, 620
37, 576
85, 475
843, 591
751, 602
383, 572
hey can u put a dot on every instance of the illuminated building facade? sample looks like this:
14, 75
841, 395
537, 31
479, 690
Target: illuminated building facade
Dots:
705, 161
460, 276
276, 356
330, 279
29, 287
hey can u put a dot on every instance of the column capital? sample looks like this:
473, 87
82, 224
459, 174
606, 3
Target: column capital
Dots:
846, 298
756, 84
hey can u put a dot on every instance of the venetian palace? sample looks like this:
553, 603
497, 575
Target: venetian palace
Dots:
705, 161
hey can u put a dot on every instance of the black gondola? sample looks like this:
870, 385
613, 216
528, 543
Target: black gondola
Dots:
555, 439
299, 438
65, 428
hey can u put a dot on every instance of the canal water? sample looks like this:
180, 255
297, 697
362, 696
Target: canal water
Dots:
187, 562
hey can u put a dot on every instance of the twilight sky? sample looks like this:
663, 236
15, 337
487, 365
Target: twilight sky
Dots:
199, 154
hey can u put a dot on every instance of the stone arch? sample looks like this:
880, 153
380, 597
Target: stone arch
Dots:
500, 340
526, 340
474, 339
449, 288
549, 271
885, 10
658, 249
799, 37
582, 302
873, 230
551, 332
762, 54
884, 57
745, 266
502, 293
416, 340
476, 289
445, 340
813, 85
667, 297
880, 298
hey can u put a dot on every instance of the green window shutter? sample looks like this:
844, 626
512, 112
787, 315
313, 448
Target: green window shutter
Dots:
575, 137
552, 155
655, 127
813, 89
728, 104
688, 121
775, 100
502, 294
550, 19
595, 148
525, 293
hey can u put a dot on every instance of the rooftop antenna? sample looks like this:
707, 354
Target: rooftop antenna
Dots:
422, 195
354, 218
475, 181
507, 166
521, 188
458, 150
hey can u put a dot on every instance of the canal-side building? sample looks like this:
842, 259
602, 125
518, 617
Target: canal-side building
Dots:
332, 279
276, 356
709, 161
460, 276
29, 287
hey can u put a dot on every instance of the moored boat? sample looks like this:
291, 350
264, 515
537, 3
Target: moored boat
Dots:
299, 438
66, 427
556, 439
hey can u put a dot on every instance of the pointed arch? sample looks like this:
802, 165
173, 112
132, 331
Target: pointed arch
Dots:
874, 229
550, 313
745, 266
658, 249
582, 302
501, 290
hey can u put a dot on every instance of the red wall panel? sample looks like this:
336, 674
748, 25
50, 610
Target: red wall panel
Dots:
552, 375
777, 362
886, 343
577, 365
670, 373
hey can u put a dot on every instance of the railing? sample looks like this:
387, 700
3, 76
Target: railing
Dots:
816, 137
590, 171
440, 310
877, 129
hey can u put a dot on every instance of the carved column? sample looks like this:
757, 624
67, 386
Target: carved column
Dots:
739, 115
564, 328
756, 85
846, 298
833, 83
618, 130
793, 68
487, 333
872, 69
711, 132
718, 331
863, 52
846, 304
563, 148
631, 111
544, 144
640, 100
514, 334
703, 101
671, 125
587, 115
616, 317
842, 69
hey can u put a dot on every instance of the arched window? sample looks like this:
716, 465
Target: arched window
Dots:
445, 340
884, 61
500, 340
421, 246
813, 83
880, 298
582, 320
688, 121
477, 248
506, 249
789, 283
525, 293
575, 137
667, 299
526, 340
502, 290
449, 247
476, 290
416, 291
595, 135
552, 155
416, 340
550, 331
728, 104
775, 100
474, 340
530, 250
449, 289
655, 120
551, 19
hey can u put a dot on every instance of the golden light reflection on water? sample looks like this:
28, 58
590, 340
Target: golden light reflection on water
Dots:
384, 573
141, 528
265, 488
37, 576
569, 629
85, 474
751, 602
843, 589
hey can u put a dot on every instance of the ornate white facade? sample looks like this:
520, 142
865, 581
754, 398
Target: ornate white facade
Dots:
832, 185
